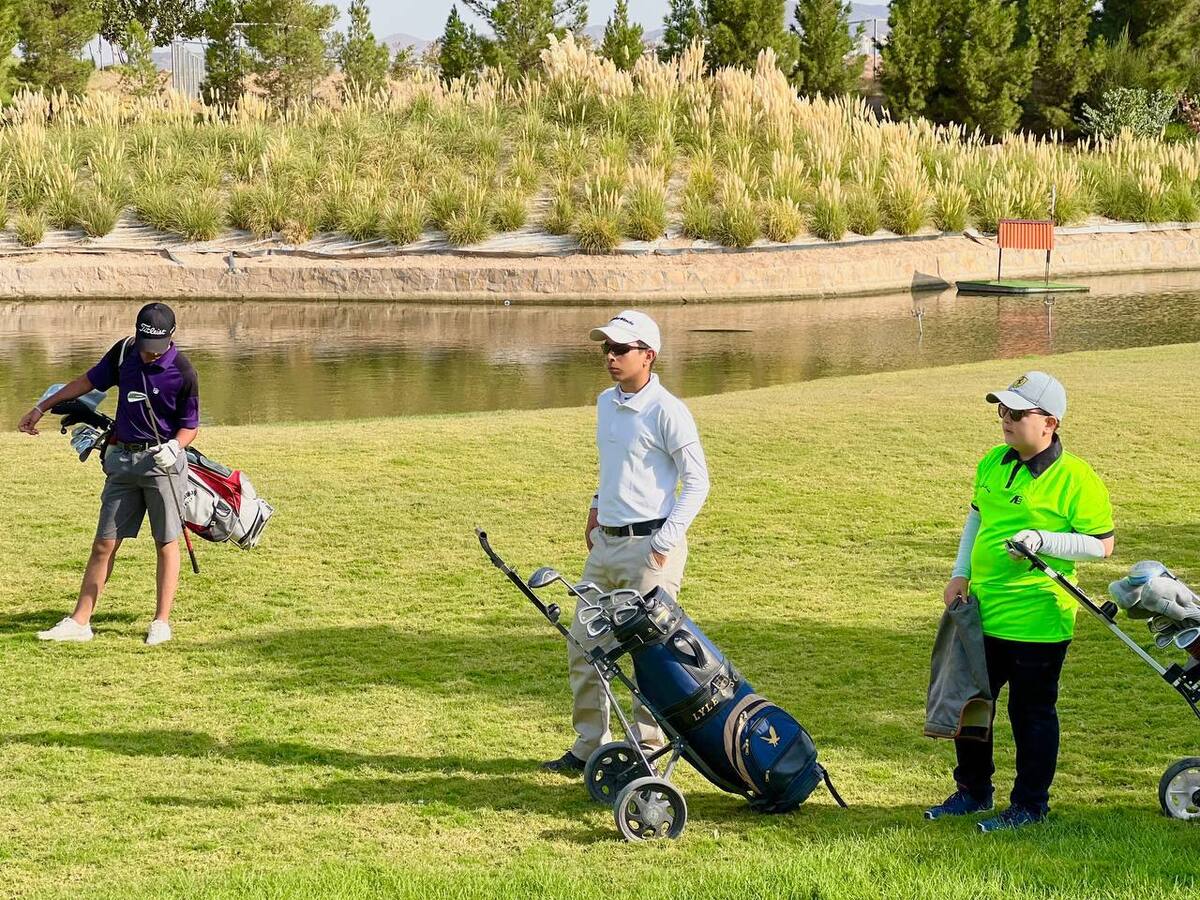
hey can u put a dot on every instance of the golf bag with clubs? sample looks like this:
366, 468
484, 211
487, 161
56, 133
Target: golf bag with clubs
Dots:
746, 743
219, 504
741, 742
1151, 592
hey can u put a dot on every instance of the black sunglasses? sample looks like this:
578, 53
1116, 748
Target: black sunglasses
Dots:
1016, 415
621, 349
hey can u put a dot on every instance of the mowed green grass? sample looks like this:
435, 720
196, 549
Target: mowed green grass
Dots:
358, 707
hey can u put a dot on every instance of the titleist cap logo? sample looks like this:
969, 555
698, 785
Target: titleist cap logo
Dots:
155, 325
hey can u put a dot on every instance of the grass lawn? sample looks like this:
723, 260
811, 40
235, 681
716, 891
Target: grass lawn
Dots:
358, 707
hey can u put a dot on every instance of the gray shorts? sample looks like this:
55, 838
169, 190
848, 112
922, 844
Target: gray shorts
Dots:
135, 486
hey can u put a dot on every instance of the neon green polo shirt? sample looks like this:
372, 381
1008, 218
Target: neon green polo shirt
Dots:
1053, 491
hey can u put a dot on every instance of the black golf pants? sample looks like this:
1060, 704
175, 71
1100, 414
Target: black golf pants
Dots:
1031, 671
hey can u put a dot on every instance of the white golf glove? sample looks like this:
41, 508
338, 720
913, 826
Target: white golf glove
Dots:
1030, 538
166, 455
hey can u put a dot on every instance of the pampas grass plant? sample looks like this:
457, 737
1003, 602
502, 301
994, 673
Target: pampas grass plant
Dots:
404, 218
646, 204
30, 227
828, 219
599, 228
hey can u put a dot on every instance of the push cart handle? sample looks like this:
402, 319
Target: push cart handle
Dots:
1035, 560
552, 612
1085, 601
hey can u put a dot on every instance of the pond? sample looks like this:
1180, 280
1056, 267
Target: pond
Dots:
294, 361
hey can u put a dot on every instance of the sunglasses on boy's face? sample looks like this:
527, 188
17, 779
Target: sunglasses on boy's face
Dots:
620, 349
1016, 415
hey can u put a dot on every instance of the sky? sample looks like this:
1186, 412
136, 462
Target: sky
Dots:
426, 18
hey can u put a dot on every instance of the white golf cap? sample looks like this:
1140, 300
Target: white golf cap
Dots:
629, 327
1034, 390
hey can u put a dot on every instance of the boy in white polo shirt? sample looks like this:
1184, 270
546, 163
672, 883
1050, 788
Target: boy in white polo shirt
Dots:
637, 527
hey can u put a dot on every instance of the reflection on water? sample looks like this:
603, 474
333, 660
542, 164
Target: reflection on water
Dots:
272, 362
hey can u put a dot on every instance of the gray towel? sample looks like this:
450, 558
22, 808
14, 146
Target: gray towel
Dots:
960, 702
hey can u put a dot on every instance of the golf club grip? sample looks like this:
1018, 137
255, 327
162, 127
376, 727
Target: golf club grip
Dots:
1027, 553
187, 539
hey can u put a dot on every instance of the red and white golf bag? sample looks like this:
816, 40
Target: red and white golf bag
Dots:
220, 504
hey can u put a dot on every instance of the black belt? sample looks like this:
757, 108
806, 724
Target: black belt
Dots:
640, 529
134, 446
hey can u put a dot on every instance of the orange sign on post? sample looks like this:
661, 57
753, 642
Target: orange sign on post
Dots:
1025, 234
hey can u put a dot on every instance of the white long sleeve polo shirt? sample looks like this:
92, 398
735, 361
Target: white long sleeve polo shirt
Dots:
648, 445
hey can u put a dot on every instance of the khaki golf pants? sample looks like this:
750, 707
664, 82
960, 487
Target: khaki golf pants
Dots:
615, 562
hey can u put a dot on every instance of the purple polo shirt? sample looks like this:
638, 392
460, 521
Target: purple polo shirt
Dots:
170, 381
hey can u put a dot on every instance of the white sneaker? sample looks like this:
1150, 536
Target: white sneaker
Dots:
159, 633
67, 630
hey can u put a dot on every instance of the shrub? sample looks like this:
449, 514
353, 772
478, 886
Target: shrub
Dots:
1136, 110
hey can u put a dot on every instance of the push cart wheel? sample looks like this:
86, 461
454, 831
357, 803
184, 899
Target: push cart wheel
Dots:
610, 768
1179, 789
650, 808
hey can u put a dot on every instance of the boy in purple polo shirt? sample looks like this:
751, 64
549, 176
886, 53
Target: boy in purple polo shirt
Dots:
136, 466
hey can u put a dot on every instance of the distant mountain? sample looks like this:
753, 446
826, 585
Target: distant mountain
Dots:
400, 39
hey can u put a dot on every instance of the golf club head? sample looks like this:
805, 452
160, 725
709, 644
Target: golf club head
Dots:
599, 628
136, 397
587, 593
589, 614
542, 577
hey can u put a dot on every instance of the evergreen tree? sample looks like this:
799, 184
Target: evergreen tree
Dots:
824, 63
52, 36
430, 57
162, 20
403, 64
993, 74
1064, 65
1133, 17
289, 41
681, 26
622, 39
521, 29
9, 35
363, 60
140, 74
224, 62
738, 29
458, 55
909, 68
1166, 32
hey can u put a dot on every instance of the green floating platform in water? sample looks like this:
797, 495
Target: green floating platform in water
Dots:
1018, 286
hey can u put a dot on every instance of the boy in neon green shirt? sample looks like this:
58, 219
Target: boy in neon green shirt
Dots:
1029, 490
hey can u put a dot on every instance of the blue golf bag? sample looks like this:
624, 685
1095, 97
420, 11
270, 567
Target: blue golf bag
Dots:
738, 740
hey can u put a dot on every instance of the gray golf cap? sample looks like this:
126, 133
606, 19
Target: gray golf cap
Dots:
1034, 390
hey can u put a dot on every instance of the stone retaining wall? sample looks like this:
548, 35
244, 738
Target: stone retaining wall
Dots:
861, 267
